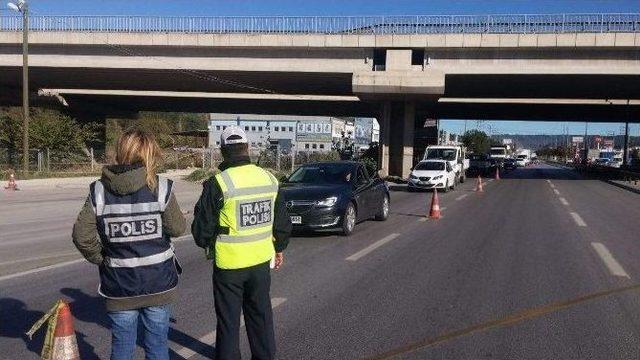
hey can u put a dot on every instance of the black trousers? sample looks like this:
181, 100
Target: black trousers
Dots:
245, 290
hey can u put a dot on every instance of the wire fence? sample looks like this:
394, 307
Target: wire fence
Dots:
53, 161
410, 24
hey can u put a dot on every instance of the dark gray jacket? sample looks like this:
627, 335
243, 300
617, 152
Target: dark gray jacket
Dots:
124, 179
206, 213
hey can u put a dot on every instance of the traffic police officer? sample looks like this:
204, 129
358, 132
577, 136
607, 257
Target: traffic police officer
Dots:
243, 225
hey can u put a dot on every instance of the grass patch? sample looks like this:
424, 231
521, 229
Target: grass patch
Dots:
200, 175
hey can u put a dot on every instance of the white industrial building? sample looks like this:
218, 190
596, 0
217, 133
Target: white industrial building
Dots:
304, 133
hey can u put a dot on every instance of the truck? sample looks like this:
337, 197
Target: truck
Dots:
523, 157
455, 155
500, 152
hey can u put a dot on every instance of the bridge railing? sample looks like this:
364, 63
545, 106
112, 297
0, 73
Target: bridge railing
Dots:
413, 24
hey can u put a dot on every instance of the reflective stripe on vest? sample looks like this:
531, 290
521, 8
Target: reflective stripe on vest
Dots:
141, 261
135, 248
249, 194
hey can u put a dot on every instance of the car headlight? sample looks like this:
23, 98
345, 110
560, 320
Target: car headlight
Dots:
437, 177
328, 202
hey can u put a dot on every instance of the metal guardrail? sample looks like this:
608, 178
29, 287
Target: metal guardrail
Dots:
413, 24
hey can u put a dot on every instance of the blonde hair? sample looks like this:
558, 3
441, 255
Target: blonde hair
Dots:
136, 146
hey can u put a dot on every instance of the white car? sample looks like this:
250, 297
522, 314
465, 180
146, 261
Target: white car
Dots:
432, 174
522, 161
616, 162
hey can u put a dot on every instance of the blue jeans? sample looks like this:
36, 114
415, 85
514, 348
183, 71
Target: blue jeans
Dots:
124, 331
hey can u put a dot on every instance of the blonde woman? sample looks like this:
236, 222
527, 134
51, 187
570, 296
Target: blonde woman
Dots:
125, 228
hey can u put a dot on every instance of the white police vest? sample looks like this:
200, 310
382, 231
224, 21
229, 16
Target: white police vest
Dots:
138, 257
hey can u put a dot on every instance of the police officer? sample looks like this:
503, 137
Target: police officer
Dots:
243, 225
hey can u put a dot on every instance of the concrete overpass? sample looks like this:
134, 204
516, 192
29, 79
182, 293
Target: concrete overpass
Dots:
399, 69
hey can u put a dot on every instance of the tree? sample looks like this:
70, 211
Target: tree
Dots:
49, 129
476, 141
162, 125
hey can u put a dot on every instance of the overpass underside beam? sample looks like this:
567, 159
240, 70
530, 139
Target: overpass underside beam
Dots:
396, 137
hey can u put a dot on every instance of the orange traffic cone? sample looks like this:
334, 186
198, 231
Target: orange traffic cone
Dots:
434, 213
479, 187
497, 173
60, 342
65, 345
12, 185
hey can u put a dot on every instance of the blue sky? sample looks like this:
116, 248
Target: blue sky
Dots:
359, 7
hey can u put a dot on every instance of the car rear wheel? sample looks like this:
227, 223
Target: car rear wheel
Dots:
349, 220
383, 213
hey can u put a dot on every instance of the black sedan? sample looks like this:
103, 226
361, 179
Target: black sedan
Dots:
510, 164
334, 195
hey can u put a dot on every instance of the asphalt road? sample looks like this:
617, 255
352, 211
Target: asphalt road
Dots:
542, 265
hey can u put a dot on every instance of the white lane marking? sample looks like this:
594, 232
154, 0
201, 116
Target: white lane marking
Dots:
44, 257
490, 180
564, 201
372, 247
576, 217
40, 269
66, 263
614, 266
556, 191
553, 186
549, 181
210, 338
461, 197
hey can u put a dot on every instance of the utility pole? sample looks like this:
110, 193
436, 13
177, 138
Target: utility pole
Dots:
21, 6
585, 142
625, 156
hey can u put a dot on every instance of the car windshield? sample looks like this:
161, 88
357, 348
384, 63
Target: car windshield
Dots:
478, 157
430, 165
498, 152
522, 157
444, 154
322, 174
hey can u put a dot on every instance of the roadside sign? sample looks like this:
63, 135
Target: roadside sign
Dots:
577, 139
608, 143
598, 139
430, 123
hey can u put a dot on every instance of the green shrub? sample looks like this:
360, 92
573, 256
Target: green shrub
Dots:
371, 165
200, 175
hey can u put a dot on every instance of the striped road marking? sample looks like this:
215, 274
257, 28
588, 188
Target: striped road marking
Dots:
576, 217
66, 263
556, 191
612, 264
564, 201
461, 197
372, 247
201, 344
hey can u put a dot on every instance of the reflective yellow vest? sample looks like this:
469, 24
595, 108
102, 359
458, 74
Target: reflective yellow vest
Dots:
249, 195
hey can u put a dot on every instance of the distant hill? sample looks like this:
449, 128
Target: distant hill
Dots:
535, 142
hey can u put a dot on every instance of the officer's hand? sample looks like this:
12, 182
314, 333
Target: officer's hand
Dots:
278, 261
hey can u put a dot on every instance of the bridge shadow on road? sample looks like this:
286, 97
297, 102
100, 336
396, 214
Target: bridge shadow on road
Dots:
91, 309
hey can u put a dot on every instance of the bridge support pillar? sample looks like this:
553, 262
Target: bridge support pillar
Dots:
397, 122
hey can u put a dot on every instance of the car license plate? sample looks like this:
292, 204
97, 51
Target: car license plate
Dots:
296, 219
